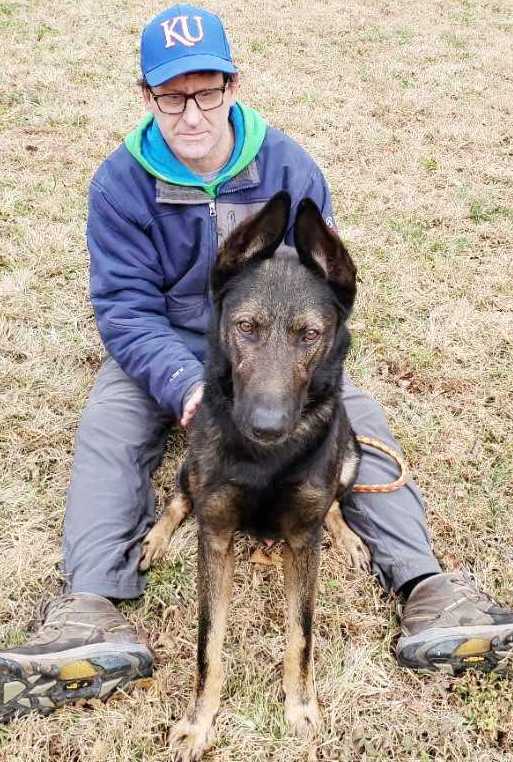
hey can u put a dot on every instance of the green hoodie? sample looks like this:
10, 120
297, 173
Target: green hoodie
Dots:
249, 129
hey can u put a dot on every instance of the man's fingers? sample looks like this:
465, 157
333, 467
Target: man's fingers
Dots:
191, 406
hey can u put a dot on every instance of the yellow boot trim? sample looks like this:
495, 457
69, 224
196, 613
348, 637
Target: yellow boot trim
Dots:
77, 670
473, 647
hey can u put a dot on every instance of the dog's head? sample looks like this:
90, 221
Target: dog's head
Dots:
280, 317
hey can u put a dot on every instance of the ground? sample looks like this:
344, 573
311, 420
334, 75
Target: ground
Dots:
408, 108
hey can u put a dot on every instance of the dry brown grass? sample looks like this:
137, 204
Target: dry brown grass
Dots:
408, 107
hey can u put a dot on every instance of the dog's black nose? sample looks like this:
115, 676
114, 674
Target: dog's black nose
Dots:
268, 424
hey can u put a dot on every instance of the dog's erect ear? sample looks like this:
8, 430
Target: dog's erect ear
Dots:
258, 237
321, 250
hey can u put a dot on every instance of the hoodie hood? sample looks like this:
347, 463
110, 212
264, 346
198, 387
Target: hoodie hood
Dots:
149, 148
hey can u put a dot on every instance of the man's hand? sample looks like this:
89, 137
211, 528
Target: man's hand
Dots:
192, 403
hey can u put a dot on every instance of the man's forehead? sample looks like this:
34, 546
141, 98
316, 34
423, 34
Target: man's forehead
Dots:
192, 80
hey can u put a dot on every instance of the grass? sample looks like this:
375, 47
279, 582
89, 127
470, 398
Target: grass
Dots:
407, 109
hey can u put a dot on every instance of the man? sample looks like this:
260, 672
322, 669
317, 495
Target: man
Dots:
196, 165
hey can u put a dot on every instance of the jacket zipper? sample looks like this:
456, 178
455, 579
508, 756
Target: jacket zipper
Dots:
213, 250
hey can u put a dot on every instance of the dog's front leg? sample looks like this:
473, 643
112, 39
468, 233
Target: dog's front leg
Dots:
300, 566
156, 542
195, 733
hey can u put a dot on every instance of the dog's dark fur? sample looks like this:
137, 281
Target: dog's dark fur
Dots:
271, 449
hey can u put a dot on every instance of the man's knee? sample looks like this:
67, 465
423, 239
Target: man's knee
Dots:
366, 414
118, 412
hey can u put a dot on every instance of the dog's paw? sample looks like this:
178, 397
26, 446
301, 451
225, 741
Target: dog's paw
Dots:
302, 717
360, 555
345, 540
188, 741
154, 546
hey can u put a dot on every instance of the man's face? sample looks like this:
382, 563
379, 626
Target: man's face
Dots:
200, 139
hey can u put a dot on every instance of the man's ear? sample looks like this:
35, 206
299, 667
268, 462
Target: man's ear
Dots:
233, 87
321, 250
256, 238
146, 97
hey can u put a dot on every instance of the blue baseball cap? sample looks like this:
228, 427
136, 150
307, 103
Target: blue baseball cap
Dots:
183, 39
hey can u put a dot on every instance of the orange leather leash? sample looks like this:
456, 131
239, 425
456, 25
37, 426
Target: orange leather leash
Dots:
391, 486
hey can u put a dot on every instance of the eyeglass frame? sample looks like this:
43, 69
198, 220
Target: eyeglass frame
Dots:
189, 96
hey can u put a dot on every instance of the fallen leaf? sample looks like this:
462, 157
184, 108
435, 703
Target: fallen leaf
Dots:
259, 556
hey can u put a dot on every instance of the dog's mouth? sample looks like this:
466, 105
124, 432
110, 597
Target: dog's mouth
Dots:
265, 438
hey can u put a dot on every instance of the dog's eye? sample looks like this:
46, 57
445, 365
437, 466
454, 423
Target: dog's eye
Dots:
245, 326
311, 335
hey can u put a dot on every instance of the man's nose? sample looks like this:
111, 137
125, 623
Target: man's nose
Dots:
192, 114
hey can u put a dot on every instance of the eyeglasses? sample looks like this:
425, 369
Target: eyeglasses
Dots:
176, 103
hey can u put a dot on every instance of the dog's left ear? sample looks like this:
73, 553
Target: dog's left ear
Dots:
258, 237
321, 250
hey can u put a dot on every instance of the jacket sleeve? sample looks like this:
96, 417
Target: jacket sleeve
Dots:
317, 189
127, 285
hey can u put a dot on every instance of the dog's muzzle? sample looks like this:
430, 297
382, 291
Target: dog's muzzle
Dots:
268, 425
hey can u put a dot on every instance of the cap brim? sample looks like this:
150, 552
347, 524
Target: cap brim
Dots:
187, 64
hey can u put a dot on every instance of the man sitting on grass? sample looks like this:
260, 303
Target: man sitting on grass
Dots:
197, 164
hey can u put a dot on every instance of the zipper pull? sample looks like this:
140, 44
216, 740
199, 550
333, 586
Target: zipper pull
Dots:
212, 208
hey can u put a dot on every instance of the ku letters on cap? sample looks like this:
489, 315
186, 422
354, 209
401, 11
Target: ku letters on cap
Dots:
177, 29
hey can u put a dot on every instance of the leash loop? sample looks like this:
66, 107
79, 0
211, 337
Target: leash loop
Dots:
377, 444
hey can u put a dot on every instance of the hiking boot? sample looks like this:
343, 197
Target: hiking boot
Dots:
84, 649
448, 625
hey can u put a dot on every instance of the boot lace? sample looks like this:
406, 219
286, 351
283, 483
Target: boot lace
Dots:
464, 580
48, 627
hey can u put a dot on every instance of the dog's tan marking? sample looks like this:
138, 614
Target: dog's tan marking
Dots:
193, 735
300, 566
156, 542
312, 501
346, 540
349, 465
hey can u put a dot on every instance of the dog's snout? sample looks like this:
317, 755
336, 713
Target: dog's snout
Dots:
268, 423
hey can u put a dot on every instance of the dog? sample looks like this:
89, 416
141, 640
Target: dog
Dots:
271, 451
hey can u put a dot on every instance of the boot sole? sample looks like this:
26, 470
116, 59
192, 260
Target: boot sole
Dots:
34, 683
454, 650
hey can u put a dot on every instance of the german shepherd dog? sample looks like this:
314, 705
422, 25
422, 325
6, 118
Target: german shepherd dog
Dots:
271, 452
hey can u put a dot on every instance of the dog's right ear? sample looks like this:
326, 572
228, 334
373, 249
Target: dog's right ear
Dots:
258, 237
321, 250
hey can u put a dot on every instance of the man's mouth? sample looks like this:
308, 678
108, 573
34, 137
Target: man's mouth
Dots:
192, 135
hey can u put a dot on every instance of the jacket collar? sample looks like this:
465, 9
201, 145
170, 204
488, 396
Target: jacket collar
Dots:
167, 193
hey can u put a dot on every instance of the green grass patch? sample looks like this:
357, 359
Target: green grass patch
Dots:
406, 82
8, 19
453, 41
404, 36
486, 703
8, 9
430, 164
15, 636
44, 31
258, 46
373, 34
481, 211
410, 230
171, 580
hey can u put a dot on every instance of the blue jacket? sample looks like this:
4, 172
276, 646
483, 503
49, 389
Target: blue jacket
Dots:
152, 247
